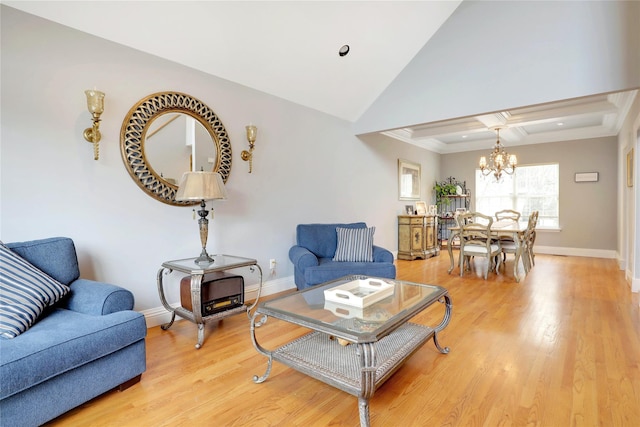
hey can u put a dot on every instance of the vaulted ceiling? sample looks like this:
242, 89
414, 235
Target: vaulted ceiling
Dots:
284, 48
291, 50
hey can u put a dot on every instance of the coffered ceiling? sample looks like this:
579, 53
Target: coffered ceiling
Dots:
588, 117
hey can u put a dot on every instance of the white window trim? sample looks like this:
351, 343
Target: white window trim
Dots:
547, 229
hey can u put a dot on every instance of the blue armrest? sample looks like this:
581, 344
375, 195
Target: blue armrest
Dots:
97, 298
302, 257
381, 254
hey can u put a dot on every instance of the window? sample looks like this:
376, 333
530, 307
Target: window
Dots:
530, 188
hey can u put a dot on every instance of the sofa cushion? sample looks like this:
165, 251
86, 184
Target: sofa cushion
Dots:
25, 292
56, 256
63, 340
321, 239
354, 244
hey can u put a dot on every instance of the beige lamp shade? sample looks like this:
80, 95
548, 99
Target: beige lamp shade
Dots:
200, 185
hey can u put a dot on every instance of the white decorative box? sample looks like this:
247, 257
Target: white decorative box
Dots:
359, 293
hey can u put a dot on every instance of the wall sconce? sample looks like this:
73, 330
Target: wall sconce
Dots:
252, 132
95, 104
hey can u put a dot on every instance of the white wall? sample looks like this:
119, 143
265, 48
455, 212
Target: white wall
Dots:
308, 166
497, 55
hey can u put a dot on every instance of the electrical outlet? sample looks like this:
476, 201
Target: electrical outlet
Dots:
272, 264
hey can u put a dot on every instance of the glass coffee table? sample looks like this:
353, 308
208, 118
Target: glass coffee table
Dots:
351, 348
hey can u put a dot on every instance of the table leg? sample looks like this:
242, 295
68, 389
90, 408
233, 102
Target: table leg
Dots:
259, 291
363, 408
200, 336
450, 249
163, 299
518, 239
196, 306
367, 354
167, 325
443, 324
259, 348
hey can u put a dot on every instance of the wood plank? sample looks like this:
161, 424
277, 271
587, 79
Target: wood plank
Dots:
562, 347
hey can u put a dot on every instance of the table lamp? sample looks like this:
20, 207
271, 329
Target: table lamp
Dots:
201, 186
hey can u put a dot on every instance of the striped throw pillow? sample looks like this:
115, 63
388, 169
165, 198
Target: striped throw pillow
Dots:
354, 244
25, 292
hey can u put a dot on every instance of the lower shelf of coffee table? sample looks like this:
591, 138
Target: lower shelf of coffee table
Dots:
323, 358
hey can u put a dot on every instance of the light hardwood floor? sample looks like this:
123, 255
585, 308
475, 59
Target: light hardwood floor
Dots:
560, 348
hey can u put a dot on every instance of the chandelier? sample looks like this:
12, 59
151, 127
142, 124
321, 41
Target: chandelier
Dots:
499, 161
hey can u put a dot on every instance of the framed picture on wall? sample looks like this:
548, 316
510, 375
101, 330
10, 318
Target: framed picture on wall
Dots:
408, 180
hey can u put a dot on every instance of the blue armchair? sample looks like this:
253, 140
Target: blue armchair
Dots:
313, 256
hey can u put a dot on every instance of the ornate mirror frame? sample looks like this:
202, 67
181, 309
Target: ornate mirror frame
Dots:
134, 129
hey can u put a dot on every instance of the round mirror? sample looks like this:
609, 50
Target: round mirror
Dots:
176, 143
167, 134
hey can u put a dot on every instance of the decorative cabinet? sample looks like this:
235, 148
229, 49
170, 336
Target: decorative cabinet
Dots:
417, 236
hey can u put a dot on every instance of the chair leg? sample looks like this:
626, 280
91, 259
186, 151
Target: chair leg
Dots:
491, 263
526, 260
490, 266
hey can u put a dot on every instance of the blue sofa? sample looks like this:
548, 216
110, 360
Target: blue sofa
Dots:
313, 254
88, 343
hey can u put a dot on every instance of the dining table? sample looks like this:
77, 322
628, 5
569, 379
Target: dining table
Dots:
502, 228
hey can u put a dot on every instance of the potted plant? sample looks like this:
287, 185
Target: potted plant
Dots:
443, 189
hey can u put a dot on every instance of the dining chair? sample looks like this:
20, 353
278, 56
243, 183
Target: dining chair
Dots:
475, 241
528, 239
507, 215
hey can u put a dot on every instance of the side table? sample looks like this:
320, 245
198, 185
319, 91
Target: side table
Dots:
197, 272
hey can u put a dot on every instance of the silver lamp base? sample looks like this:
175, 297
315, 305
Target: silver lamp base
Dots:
204, 259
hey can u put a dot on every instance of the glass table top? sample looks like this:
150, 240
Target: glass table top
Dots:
220, 262
310, 308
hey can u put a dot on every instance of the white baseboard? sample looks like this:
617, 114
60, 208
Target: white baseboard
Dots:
622, 264
592, 253
159, 315
635, 285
